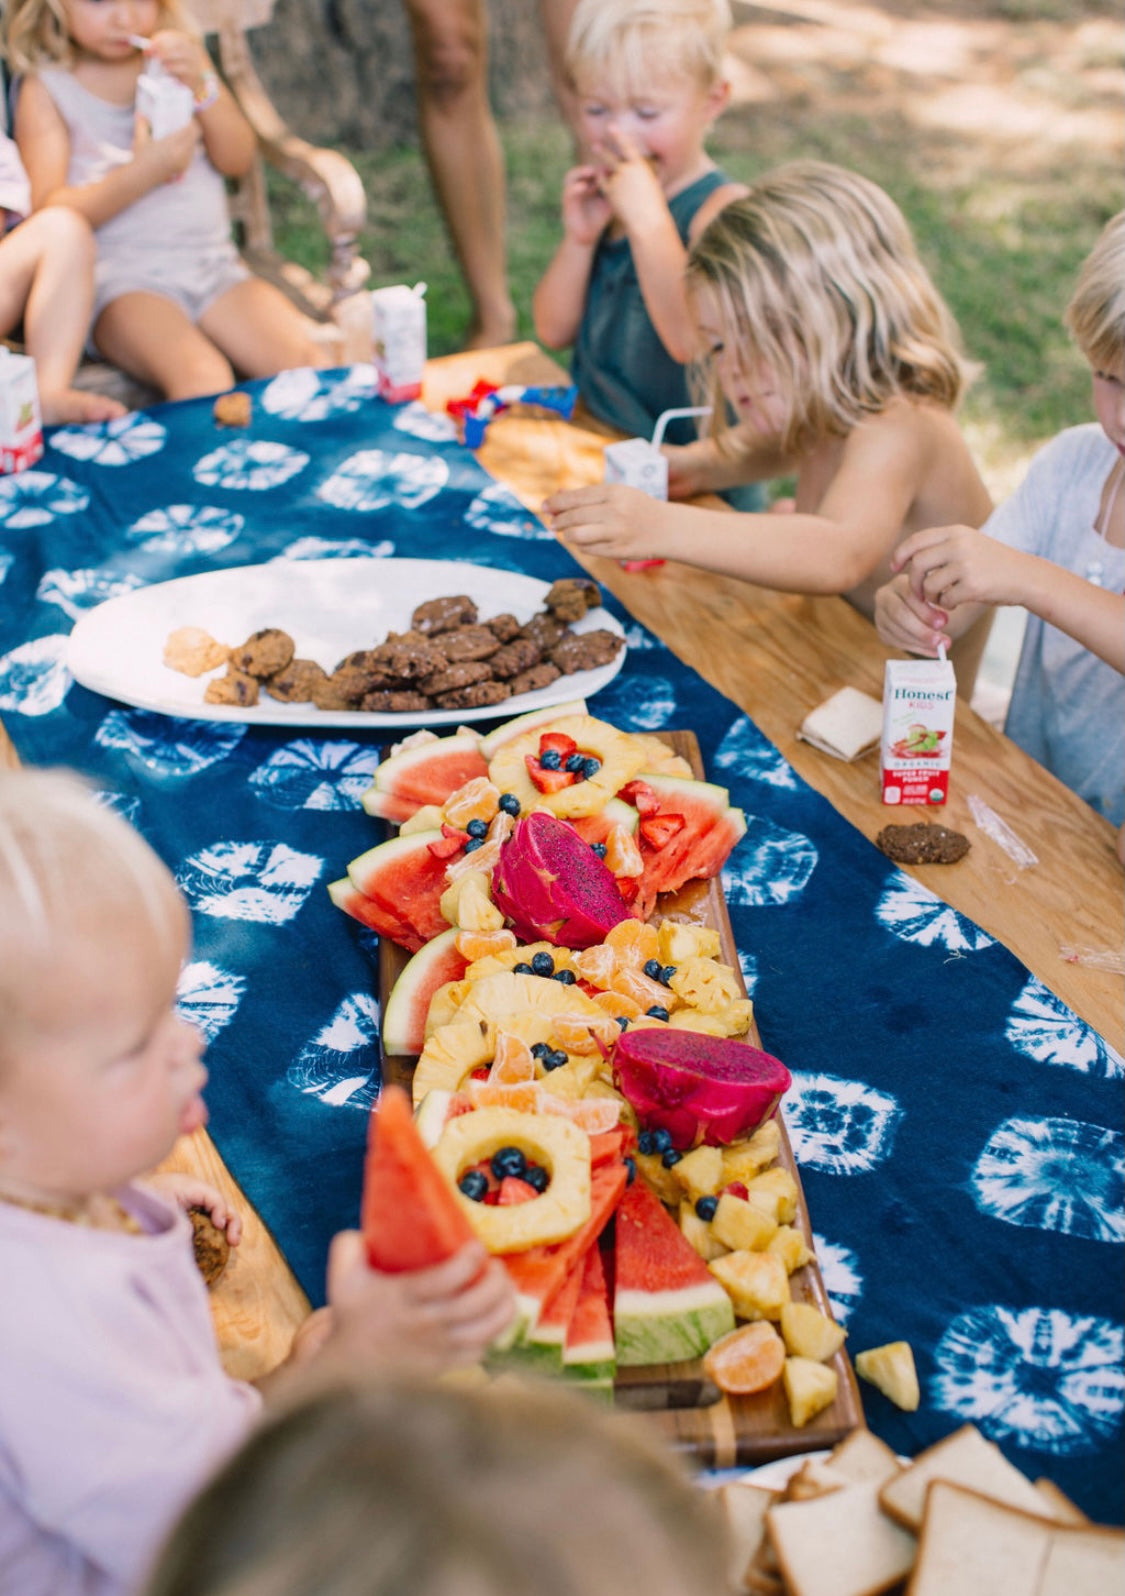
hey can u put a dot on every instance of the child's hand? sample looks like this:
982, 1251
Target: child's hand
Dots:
686, 476
181, 56
188, 1191
951, 565
607, 518
585, 210
903, 620
169, 157
628, 180
448, 1314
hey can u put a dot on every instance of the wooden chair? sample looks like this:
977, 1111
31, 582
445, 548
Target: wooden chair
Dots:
329, 179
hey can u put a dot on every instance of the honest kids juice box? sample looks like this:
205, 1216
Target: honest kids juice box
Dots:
919, 696
398, 330
21, 428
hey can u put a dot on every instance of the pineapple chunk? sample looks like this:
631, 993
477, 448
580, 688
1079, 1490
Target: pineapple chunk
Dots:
789, 1245
663, 1181
704, 984
695, 1020
428, 818
809, 1387
891, 1369
563, 1149
466, 903
700, 1234
741, 1226
449, 1055
755, 1282
530, 1028
743, 1160
735, 1018
444, 1005
571, 1080
700, 1172
779, 1183
808, 1333
659, 757
679, 942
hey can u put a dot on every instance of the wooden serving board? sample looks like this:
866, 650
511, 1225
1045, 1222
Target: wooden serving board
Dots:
720, 1431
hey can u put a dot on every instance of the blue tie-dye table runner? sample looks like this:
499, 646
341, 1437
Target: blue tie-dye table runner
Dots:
958, 1128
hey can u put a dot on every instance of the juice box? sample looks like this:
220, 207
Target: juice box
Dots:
165, 103
638, 464
398, 330
919, 696
21, 426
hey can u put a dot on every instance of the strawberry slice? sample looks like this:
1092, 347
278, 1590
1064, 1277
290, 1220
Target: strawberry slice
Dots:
628, 887
513, 1190
548, 780
737, 1189
656, 830
641, 796
560, 743
445, 847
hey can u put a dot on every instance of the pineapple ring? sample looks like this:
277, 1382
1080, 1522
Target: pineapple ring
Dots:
621, 759
561, 1146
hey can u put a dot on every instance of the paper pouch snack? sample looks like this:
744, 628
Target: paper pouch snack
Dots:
21, 426
398, 331
919, 697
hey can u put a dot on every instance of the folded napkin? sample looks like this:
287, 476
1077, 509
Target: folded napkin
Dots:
845, 725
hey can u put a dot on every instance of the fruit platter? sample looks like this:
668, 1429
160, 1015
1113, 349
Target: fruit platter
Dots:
572, 1074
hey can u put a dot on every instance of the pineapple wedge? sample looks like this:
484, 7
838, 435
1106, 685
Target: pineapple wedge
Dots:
622, 757
449, 1055
809, 1387
808, 1333
755, 1282
700, 1172
777, 1183
466, 903
705, 984
891, 1369
743, 1160
560, 1145
699, 1233
741, 1226
789, 1245
679, 942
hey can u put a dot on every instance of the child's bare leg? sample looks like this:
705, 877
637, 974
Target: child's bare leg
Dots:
260, 331
47, 276
151, 338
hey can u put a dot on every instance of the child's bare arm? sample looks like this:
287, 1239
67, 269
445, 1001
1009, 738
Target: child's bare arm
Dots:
227, 136
560, 296
44, 146
704, 467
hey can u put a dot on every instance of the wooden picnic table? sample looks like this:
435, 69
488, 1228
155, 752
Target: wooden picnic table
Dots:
776, 656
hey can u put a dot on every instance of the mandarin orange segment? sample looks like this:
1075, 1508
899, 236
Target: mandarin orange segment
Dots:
593, 1114
524, 1096
635, 984
634, 942
487, 855
581, 1033
512, 1061
473, 945
622, 855
478, 799
616, 1003
596, 964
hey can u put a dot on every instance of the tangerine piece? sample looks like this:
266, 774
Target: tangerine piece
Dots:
512, 1062
487, 855
478, 799
622, 854
596, 964
524, 1096
748, 1359
473, 945
635, 984
634, 942
594, 1115
581, 1033
616, 1003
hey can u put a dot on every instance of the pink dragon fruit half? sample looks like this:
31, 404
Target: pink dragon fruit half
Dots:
553, 887
698, 1088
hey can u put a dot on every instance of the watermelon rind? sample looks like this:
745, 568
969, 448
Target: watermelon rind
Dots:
404, 1018
430, 1115
411, 777
669, 1326
520, 723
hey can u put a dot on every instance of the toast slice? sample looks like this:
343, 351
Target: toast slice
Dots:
862, 1456
1059, 1504
1084, 1560
839, 1544
963, 1458
744, 1513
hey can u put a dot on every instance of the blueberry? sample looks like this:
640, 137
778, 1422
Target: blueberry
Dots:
477, 828
550, 759
567, 977
652, 969
540, 1049
666, 974
509, 803
522, 969
622, 1020
473, 844
590, 767
474, 1184
705, 1207
670, 1157
646, 1142
630, 1170
599, 849
537, 1177
576, 763
508, 1161
657, 1012
661, 1141
554, 1059
542, 964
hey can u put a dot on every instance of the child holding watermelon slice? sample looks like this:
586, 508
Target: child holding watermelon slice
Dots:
113, 1405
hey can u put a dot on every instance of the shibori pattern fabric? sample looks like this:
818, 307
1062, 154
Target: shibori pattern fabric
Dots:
958, 1128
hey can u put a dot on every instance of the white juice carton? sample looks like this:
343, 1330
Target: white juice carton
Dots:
919, 697
21, 426
398, 330
165, 103
638, 464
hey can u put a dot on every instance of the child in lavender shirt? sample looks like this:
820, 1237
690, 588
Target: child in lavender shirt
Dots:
113, 1404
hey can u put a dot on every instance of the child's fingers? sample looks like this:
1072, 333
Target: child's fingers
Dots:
446, 1279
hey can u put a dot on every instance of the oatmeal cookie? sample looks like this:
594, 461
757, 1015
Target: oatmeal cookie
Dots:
409, 660
443, 614
585, 651
297, 683
469, 643
922, 843
193, 651
571, 596
464, 674
505, 626
236, 687
475, 697
209, 1244
233, 409
264, 653
544, 630
519, 655
394, 702
538, 676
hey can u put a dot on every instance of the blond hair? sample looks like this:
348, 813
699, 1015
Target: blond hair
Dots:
1095, 316
817, 281
635, 42
423, 1489
37, 32
66, 859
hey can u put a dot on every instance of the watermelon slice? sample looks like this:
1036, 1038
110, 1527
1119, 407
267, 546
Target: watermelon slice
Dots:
405, 878
596, 828
426, 773
375, 916
404, 1018
589, 1353
539, 1273
410, 1217
548, 1336
675, 852
667, 1305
